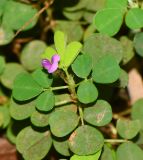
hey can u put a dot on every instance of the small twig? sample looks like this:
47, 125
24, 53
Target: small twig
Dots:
47, 4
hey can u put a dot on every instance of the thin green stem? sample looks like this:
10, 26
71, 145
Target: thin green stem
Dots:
115, 140
72, 90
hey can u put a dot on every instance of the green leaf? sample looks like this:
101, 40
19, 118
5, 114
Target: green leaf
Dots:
98, 45
123, 80
2, 64
2, 6
91, 157
120, 4
106, 70
4, 116
138, 43
107, 153
60, 40
79, 5
21, 111
74, 15
42, 78
17, 14
99, 115
25, 87
128, 129
112, 18
63, 122
72, 29
39, 119
86, 140
128, 49
95, 5
6, 35
134, 18
46, 101
130, 151
86, 62
62, 147
87, 92
14, 128
137, 111
69, 106
31, 54
71, 52
60, 97
33, 144
48, 53
10, 72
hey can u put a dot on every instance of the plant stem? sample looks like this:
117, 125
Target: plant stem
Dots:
72, 90
122, 114
115, 140
71, 84
58, 88
63, 102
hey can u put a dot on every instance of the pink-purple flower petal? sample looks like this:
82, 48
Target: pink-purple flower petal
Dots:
53, 65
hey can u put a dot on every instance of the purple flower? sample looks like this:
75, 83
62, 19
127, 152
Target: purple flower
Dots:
53, 65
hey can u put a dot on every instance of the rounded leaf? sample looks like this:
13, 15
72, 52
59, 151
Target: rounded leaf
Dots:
137, 111
4, 116
90, 157
31, 54
9, 74
128, 129
86, 62
121, 4
46, 101
25, 87
134, 18
6, 35
129, 150
62, 147
100, 114
42, 77
2, 64
21, 111
98, 45
63, 122
86, 140
87, 92
108, 154
17, 14
128, 49
39, 119
60, 40
73, 29
138, 39
71, 52
112, 18
106, 70
33, 144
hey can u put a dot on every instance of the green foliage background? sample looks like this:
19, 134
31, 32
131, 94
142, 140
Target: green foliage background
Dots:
69, 112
